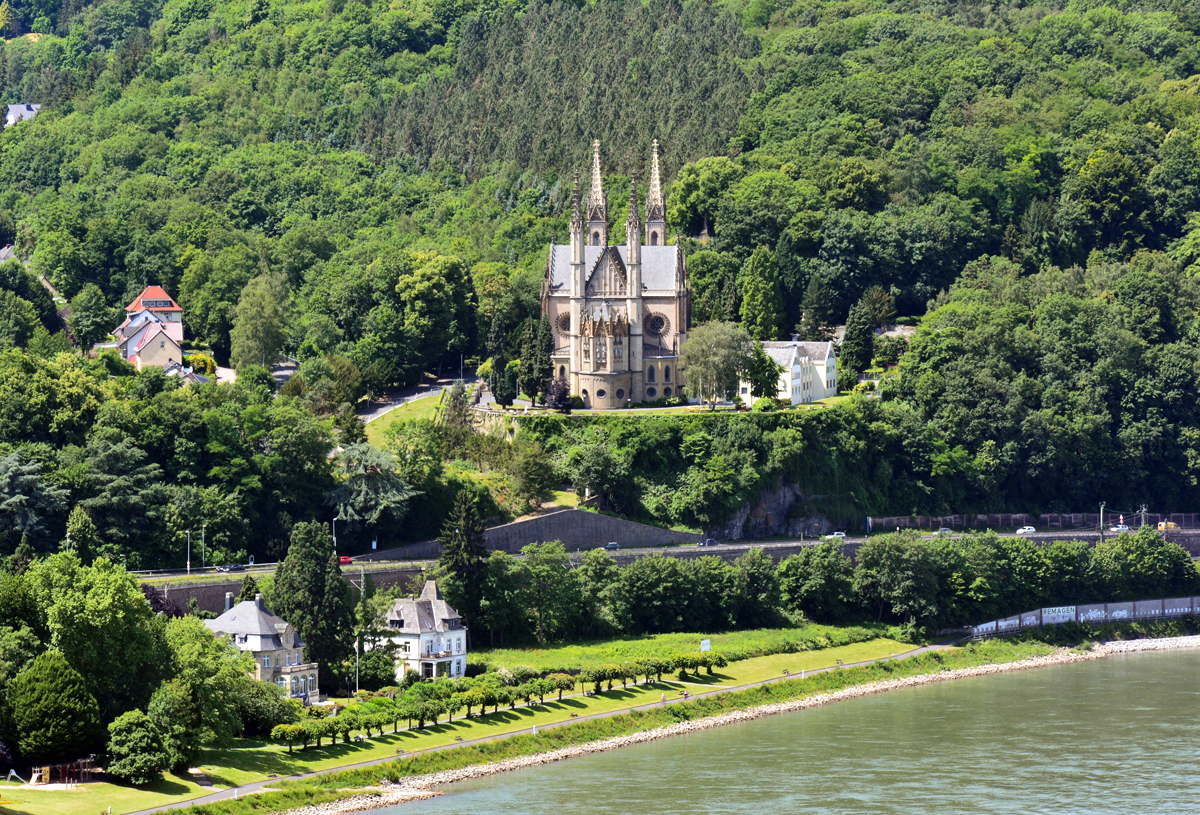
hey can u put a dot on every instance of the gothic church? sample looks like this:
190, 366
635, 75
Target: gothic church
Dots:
620, 314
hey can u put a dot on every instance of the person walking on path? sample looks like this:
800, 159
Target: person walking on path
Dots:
664, 698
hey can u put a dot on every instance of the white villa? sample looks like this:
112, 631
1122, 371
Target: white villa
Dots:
809, 371
429, 636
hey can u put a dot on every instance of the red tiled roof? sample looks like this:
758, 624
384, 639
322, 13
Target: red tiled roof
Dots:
153, 293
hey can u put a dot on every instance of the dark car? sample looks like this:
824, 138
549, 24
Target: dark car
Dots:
708, 542
231, 567
612, 546
345, 560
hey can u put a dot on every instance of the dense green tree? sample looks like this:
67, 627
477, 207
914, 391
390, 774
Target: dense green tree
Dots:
135, 750
552, 592
818, 581
91, 317
763, 373
55, 717
261, 321
371, 491
311, 595
816, 313
97, 617
715, 356
762, 305
175, 711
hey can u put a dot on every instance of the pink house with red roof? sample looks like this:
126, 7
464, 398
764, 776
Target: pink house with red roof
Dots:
152, 333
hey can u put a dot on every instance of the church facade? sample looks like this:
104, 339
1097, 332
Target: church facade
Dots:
619, 313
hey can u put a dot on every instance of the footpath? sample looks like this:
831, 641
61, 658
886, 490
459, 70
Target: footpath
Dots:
257, 786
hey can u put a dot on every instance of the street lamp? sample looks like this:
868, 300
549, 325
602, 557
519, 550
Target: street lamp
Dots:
189, 554
203, 555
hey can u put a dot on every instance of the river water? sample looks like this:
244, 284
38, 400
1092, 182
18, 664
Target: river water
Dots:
1117, 735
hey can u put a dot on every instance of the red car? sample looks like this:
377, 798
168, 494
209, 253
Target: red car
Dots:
345, 560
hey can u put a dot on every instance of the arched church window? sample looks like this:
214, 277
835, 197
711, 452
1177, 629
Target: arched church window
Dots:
650, 374
654, 239
583, 393
595, 239
562, 371
666, 373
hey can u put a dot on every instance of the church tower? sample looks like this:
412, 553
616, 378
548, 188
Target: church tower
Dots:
633, 292
597, 209
656, 211
578, 284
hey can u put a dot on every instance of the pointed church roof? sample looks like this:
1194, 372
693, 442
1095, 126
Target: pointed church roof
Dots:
597, 205
660, 266
655, 209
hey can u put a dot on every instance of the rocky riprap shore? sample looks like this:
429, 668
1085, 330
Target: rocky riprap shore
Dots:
417, 787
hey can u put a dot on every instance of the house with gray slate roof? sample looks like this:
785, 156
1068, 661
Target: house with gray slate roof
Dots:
809, 371
276, 647
428, 634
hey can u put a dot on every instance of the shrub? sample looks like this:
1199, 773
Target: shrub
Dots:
135, 749
263, 706
55, 717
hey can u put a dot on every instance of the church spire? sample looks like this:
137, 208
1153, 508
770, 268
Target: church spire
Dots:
576, 213
633, 223
656, 215
597, 208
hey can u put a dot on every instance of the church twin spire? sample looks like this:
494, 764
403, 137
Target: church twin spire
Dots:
597, 204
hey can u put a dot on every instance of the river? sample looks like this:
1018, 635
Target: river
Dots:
1117, 735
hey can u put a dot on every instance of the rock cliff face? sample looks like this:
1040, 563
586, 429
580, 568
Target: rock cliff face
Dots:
777, 512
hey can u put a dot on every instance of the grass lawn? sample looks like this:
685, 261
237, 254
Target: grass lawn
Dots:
563, 498
90, 799
423, 408
628, 649
250, 760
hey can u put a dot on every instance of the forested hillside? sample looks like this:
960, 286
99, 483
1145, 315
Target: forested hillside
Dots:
379, 182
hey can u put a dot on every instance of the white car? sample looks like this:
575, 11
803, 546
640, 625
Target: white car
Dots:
1026, 530
835, 536
1118, 528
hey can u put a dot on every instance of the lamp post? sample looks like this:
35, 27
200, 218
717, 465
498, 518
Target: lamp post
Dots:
335, 535
189, 554
203, 553
1102, 522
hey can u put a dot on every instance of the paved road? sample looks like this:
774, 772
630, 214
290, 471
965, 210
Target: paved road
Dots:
247, 789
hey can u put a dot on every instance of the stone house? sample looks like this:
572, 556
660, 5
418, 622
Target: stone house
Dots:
428, 634
809, 371
276, 647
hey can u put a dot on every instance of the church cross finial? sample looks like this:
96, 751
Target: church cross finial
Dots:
655, 208
597, 206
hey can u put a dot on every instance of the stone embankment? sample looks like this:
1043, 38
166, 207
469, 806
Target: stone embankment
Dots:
417, 787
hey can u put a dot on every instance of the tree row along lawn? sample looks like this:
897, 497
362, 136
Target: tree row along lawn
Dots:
335, 785
252, 760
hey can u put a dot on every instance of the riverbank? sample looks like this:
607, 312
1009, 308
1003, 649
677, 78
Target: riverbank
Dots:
424, 786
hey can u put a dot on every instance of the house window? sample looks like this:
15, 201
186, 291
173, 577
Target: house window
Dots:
162, 344
266, 660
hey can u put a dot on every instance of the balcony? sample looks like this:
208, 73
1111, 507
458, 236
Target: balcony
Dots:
437, 655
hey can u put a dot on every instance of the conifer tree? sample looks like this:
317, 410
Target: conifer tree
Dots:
55, 718
311, 595
762, 304
464, 555
82, 534
858, 342
816, 312
249, 589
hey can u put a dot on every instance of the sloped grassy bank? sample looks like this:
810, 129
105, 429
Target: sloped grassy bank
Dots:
344, 791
